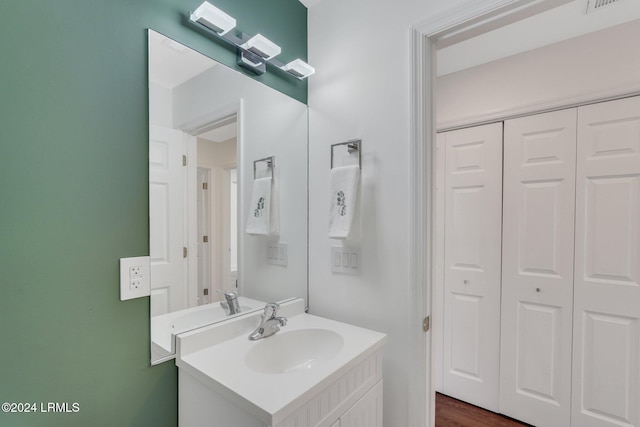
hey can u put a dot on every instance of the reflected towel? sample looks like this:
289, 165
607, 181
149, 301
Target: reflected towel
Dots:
259, 221
344, 185
263, 217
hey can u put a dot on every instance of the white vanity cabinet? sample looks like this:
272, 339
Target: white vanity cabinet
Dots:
353, 400
219, 386
366, 412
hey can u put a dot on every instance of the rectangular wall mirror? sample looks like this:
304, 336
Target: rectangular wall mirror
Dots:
207, 126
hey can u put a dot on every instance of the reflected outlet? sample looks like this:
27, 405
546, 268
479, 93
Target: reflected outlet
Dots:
277, 253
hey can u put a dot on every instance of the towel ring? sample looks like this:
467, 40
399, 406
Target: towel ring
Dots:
271, 164
352, 145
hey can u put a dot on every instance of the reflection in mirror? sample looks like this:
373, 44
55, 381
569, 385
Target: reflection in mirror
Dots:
207, 125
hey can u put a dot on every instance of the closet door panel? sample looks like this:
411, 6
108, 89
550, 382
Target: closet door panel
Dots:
537, 268
606, 374
472, 221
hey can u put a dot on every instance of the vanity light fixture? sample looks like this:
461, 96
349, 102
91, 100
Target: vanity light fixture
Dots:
213, 19
261, 46
299, 68
253, 51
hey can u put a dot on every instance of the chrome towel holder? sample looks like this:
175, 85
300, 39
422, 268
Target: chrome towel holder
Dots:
271, 164
352, 145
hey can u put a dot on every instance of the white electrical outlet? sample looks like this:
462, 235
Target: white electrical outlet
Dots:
134, 277
135, 272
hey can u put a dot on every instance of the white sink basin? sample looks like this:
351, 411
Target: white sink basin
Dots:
293, 351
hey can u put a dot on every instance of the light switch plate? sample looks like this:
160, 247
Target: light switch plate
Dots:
135, 281
277, 253
345, 260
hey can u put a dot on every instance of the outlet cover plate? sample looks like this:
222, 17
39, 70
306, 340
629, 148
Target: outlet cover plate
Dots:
345, 260
135, 277
277, 253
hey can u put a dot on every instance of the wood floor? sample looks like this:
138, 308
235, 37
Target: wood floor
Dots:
454, 413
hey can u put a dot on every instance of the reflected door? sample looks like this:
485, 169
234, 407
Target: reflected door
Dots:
606, 348
167, 183
473, 223
537, 268
204, 226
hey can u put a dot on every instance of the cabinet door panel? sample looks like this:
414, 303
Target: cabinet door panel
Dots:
367, 412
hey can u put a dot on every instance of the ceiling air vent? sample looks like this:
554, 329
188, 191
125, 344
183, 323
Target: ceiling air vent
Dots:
595, 5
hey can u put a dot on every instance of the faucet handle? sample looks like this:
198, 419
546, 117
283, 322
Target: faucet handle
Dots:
228, 295
273, 307
231, 306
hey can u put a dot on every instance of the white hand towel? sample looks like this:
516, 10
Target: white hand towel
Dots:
344, 185
259, 222
274, 212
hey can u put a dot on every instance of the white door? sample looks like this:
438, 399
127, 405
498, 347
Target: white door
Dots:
167, 183
537, 268
473, 224
203, 237
606, 375
233, 229
437, 309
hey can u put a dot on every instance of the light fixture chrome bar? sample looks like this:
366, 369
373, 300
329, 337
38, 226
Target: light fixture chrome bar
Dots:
252, 62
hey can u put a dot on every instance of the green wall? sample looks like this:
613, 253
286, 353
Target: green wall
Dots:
74, 198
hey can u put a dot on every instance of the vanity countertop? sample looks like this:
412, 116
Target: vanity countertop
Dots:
165, 327
217, 356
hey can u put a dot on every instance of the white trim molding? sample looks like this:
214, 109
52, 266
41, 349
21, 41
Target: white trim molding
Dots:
551, 104
453, 25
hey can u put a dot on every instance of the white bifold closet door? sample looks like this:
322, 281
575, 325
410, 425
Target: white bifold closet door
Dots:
473, 223
537, 268
606, 346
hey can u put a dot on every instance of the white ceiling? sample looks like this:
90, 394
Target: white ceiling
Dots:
561, 23
222, 133
171, 64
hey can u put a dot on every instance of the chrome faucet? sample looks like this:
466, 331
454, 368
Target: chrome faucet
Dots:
231, 305
270, 323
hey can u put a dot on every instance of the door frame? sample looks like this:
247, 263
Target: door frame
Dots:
211, 120
455, 24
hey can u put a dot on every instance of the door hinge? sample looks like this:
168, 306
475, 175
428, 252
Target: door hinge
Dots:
185, 252
206, 291
184, 160
205, 239
426, 324
205, 186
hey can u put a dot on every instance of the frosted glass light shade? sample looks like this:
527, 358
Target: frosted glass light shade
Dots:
213, 18
261, 46
299, 68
